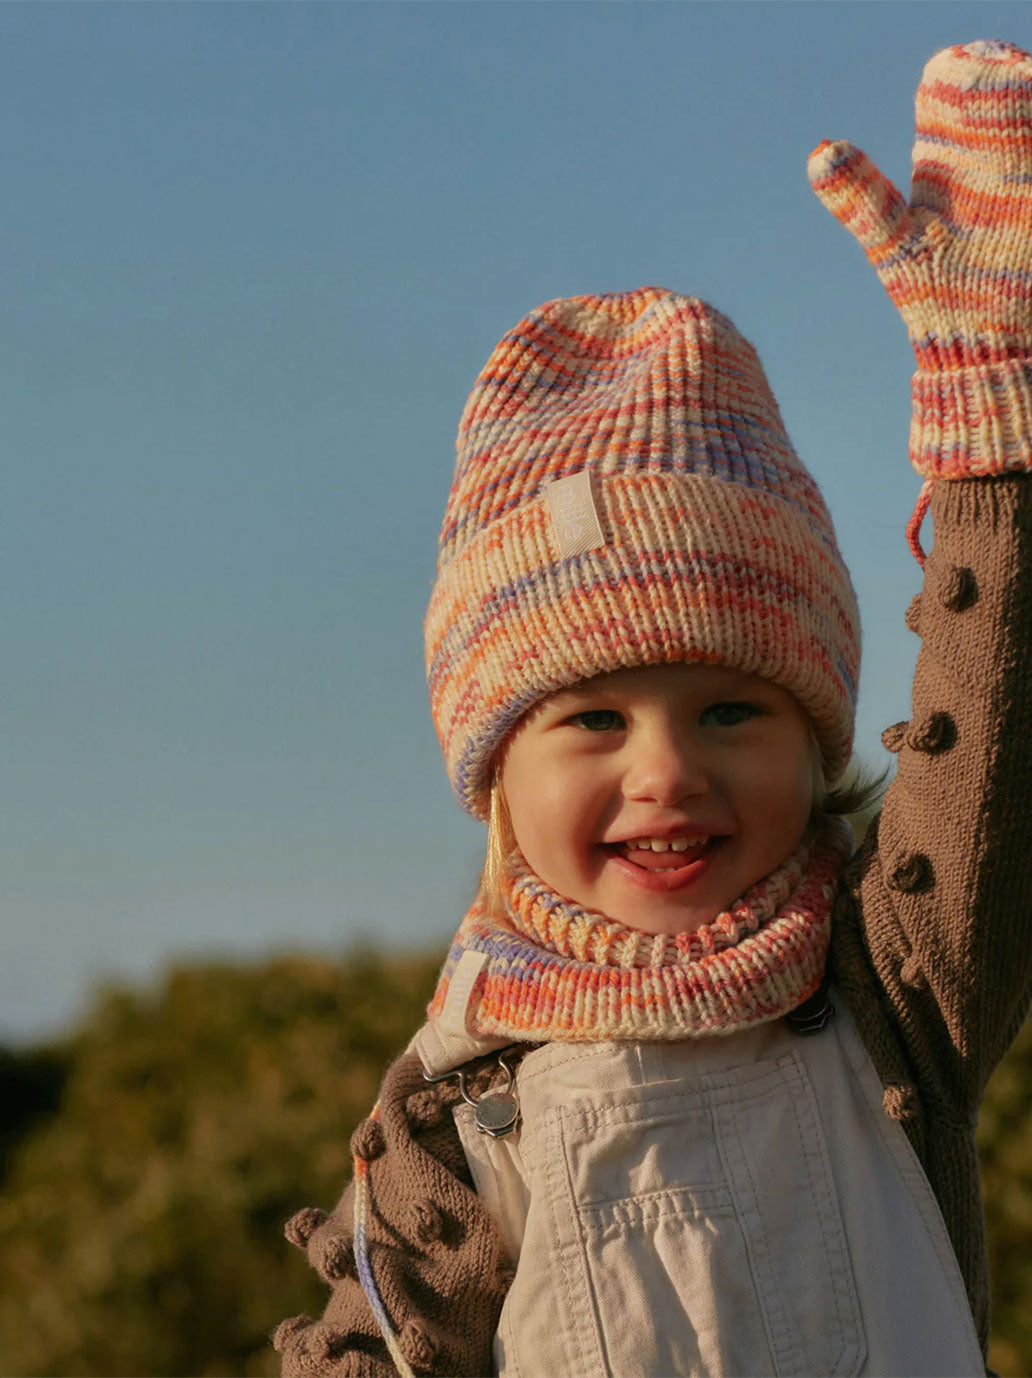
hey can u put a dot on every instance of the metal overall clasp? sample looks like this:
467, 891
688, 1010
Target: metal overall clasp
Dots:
811, 1016
497, 1112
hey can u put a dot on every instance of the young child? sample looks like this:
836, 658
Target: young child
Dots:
692, 1098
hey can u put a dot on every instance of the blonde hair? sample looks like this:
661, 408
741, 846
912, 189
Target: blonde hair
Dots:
859, 791
501, 848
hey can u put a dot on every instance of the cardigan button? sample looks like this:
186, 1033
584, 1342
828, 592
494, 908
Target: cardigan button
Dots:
300, 1227
425, 1108
429, 1222
900, 1103
368, 1142
418, 1346
959, 589
934, 733
286, 1330
334, 1258
912, 974
893, 737
324, 1343
912, 616
912, 875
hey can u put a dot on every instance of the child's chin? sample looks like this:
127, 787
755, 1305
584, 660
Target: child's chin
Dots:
681, 890
670, 925
669, 914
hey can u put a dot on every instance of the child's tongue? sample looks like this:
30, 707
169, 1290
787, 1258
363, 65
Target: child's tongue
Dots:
660, 861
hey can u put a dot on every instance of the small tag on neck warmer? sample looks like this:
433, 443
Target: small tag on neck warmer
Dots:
571, 505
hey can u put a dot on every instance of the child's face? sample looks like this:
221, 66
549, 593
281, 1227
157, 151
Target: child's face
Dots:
713, 761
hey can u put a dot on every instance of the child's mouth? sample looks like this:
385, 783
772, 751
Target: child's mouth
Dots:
664, 864
660, 855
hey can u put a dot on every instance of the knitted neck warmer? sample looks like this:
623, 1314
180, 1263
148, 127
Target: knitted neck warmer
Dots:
555, 971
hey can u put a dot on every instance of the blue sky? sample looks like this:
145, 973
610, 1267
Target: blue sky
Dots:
253, 256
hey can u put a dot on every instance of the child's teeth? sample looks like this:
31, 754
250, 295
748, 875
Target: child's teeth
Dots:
660, 844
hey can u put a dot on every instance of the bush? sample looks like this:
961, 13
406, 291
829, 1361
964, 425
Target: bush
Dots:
142, 1224
1005, 1146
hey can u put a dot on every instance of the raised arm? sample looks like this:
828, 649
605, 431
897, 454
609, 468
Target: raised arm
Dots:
945, 882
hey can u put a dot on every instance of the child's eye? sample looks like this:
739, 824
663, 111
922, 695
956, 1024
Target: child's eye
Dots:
599, 719
727, 714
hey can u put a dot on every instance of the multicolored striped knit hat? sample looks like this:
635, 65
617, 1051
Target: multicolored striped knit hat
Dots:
625, 494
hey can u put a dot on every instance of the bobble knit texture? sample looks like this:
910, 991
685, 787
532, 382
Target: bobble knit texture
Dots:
717, 546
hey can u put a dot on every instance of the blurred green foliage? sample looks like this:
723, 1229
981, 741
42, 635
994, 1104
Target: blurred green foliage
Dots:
149, 1162
141, 1224
1005, 1146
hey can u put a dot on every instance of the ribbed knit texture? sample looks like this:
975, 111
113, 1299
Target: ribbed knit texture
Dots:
560, 972
717, 544
956, 260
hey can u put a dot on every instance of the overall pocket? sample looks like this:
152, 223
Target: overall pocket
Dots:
698, 1225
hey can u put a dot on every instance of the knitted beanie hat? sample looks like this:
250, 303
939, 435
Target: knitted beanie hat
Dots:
625, 494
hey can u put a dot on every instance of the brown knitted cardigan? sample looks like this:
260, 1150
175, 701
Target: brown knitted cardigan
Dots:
930, 947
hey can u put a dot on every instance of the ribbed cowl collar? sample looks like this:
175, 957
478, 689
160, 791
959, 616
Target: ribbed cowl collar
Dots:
556, 971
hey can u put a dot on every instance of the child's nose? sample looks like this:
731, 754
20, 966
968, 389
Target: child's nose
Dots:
665, 769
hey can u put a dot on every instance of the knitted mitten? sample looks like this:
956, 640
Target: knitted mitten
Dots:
956, 261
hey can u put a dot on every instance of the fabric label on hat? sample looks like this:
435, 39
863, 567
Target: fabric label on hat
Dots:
452, 1018
571, 505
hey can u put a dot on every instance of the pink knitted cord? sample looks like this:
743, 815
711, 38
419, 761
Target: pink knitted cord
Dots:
924, 499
